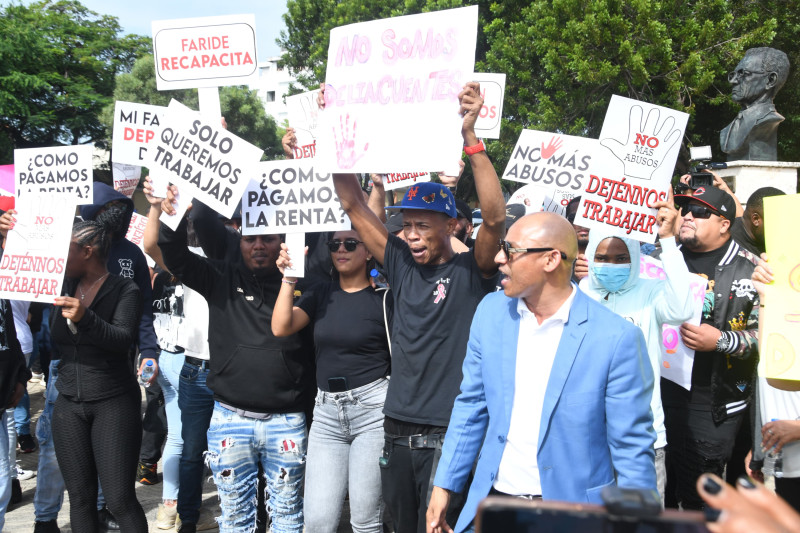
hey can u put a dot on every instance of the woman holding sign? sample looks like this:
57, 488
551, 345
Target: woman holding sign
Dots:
97, 424
352, 354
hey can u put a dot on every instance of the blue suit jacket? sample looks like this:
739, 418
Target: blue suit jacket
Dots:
596, 418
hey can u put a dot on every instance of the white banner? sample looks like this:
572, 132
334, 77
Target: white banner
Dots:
63, 170
493, 92
391, 92
135, 125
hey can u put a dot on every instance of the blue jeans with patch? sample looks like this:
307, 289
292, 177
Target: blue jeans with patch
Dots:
236, 446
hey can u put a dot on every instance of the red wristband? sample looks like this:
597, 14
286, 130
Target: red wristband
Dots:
472, 150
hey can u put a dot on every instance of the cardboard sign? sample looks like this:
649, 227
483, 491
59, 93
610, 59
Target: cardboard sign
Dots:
779, 342
641, 143
205, 52
32, 266
7, 180
536, 199
63, 170
391, 92
135, 125
398, 180
493, 92
203, 159
304, 115
126, 177
291, 197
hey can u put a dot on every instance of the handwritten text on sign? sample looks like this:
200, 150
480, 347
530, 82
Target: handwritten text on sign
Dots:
393, 79
60, 169
32, 267
135, 126
203, 159
291, 197
205, 52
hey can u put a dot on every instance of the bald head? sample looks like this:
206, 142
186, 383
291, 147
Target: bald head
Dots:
550, 229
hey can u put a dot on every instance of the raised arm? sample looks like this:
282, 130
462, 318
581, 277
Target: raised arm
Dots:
150, 239
364, 221
287, 319
377, 198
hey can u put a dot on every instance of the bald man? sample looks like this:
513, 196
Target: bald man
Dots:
559, 385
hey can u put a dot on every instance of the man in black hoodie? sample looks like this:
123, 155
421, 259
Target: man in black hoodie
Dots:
259, 381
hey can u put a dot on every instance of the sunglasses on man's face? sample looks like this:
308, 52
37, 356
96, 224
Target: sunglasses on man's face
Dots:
508, 250
349, 244
697, 211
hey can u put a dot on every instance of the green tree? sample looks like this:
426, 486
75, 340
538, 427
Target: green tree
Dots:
58, 62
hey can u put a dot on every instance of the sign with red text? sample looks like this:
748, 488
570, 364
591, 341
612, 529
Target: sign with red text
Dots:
304, 115
32, 266
291, 196
641, 143
203, 159
135, 234
126, 177
63, 170
135, 125
205, 52
398, 180
391, 92
558, 164
493, 91
779, 338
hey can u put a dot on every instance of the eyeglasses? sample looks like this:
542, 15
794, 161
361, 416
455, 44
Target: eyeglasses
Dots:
508, 250
697, 211
349, 244
743, 74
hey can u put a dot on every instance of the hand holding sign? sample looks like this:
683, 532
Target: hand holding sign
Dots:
289, 142
7, 222
470, 103
71, 308
647, 145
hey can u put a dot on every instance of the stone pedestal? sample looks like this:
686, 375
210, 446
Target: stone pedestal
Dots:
744, 177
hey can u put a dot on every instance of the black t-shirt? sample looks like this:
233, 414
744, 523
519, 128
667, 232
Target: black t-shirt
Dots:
433, 308
349, 333
740, 235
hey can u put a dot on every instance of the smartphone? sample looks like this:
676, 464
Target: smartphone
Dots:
514, 515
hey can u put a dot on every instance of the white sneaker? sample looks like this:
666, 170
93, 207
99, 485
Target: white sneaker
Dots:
166, 515
23, 475
36, 377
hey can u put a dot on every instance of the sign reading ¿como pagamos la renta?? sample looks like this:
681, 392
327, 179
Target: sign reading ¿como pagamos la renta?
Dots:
205, 52
63, 170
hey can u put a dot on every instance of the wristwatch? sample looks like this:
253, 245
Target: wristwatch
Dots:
722, 343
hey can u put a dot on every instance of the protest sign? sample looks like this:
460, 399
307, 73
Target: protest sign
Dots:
536, 199
676, 359
398, 180
641, 143
493, 91
32, 266
7, 180
135, 125
126, 177
59, 169
304, 118
296, 248
203, 159
135, 234
391, 92
205, 52
779, 339
559, 164
291, 197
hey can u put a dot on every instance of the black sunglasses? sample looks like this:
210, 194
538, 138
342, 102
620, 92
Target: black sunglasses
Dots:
349, 244
697, 211
508, 250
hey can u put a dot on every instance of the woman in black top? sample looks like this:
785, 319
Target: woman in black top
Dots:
352, 354
97, 426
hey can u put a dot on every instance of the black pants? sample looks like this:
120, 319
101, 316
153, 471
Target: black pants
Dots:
788, 488
100, 439
154, 425
696, 445
407, 480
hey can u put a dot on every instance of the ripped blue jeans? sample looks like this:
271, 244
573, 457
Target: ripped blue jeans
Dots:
236, 445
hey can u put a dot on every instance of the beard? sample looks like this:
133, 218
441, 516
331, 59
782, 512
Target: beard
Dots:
692, 243
461, 234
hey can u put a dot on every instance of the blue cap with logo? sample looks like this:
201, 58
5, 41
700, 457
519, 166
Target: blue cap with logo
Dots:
430, 197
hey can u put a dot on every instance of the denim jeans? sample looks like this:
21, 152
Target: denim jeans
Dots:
22, 412
196, 402
11, 442
5, 478
170, 365
49, 482
344, 450
237, 445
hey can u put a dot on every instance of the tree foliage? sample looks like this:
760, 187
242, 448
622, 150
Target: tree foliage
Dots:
58, 63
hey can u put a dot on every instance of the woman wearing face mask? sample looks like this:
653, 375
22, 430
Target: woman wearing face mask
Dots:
614, 281
352, 354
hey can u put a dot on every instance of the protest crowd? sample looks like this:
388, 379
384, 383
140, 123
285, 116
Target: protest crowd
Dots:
407, 364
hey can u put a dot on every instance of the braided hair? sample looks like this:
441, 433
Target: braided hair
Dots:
94, 234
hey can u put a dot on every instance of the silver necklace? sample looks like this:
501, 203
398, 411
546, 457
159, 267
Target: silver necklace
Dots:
83, 294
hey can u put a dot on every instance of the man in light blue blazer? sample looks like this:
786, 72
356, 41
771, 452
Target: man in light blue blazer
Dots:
559, 386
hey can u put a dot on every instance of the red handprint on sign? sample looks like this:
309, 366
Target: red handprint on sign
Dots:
346, 154
551, 148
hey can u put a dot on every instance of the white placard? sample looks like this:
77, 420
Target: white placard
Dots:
291, 197
536, 199
493, 92
135, 126
304, 115
126, 177
135, 234
205, 52
203, 159
296, 248
35, 256
641, 143
398, 180
63, 170
395, 81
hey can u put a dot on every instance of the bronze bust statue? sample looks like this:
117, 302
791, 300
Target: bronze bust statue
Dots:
753, 134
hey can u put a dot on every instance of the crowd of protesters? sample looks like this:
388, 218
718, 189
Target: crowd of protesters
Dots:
417, 367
